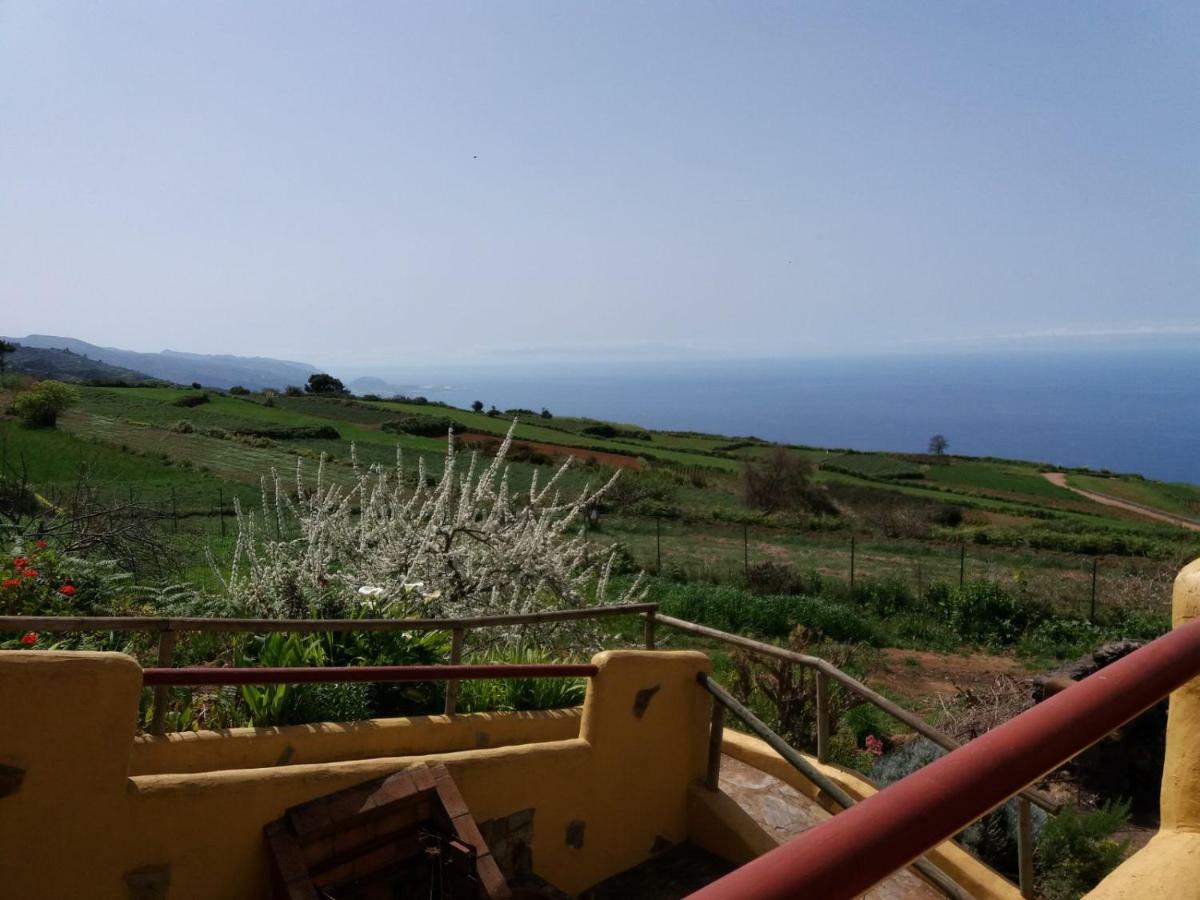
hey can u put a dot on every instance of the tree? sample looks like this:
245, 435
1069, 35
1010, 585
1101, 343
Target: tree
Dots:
477, 406
5, 349
546, 414
238, 391
39, 408
938, 444
324, 383
777, 481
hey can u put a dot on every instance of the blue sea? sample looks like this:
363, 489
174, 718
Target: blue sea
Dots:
1128, 411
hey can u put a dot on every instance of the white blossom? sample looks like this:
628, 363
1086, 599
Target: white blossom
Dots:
467, 546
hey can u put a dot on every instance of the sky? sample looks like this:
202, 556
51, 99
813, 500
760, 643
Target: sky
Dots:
396, 182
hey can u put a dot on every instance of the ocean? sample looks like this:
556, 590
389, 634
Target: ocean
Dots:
1127, 411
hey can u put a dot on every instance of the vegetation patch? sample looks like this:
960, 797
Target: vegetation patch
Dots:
873, 465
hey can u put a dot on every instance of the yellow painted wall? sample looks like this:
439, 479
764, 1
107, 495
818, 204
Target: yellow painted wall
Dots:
80, 822
251, 748
1169, 865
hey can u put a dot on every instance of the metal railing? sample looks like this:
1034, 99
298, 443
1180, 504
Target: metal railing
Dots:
211, 675
169, 629
723, 700
847, 854
826, 672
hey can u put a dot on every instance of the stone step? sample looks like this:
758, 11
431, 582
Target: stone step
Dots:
783, 812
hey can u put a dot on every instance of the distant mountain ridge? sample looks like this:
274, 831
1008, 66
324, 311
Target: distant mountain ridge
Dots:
66, 365
221, 371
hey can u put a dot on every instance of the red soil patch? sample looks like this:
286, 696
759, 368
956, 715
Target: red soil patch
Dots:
926, 677
491, 442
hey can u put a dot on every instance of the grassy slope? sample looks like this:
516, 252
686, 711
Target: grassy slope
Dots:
125, 436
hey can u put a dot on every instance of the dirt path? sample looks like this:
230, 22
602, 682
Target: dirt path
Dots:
1060, 479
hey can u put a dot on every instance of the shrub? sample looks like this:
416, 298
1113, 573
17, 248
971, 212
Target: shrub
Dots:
769, 577
39, 408
293, 390
985, 613
238, 391
292, 433
778, 481
461, 547
422, 426
511, 694
190, 400
1075, 850
884, 597
181, 426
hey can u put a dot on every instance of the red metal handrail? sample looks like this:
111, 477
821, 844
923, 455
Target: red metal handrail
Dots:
847, 854
332, 674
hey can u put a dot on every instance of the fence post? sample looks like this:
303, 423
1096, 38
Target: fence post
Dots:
1092, 614
166, 649
456, 647
716, 734
657, 545
649, 627
1025, 846
962, 564
822, 717
851, 562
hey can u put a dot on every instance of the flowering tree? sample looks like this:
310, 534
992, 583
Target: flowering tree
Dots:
392, 545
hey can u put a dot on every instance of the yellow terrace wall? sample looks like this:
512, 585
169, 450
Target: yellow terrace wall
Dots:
1169, 865
257, 748
80, 823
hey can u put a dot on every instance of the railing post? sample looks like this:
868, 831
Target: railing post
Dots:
166, 649
1025, 846
456, 647
649, 626
822, 717
716, 733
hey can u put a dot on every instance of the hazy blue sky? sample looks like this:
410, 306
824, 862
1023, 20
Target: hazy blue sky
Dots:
395, 181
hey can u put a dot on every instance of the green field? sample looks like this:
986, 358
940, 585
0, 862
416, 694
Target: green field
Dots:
681, 501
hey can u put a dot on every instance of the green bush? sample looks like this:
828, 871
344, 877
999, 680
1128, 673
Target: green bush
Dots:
190, 400
884, 597
422, 426
732, 609
292, 433
1075, 850
39, 407
982, 612
511, 694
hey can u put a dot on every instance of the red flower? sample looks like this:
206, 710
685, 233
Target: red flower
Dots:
12, 582
41, 545
67, 589
20, 562
30, 573
29, 638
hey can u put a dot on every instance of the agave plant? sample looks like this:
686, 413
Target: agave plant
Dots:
386, 544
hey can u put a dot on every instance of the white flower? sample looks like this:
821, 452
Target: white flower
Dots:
368, 590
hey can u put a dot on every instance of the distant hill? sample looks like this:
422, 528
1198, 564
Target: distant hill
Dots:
217, 371
65, 365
